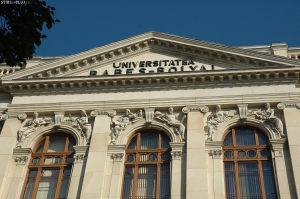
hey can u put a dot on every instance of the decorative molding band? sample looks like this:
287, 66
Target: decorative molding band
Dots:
284, 105
202, 109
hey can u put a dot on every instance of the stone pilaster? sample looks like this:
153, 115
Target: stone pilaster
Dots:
216, 182
7, 143
80, 157
95, 167
178, 170
196, 171
292, 123
282, 172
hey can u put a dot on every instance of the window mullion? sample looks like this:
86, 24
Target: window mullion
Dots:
157, 188
261, 180
135, 179
36, 184
59, 181
237, 181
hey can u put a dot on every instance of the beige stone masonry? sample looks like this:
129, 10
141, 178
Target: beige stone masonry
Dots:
92, 186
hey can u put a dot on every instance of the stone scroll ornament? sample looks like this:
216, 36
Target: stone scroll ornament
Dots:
82, 124
172, 120
270, 118
30, 125
214, 119
119, 124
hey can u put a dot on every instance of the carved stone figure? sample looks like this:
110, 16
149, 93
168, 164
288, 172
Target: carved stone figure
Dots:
172, 120
271, 119
28, 126
119, 124
85, 126
214, 119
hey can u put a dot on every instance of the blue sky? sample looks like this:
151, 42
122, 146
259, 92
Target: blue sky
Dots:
92, 23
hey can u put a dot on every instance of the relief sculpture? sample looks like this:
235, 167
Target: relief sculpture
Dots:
120, 123
214, 119
172, 120
273, 120
30, 125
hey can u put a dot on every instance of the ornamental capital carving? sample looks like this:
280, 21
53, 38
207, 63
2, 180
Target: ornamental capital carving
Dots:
5, 115
21, 159
176, 154
117, 157
284, 105
79, 158
216, 153
277, 146
202, 109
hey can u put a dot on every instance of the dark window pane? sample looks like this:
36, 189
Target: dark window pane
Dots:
72, 143
249, 180
149, 141
269, 179
230, 180
262, 139
40, 148
30, 183
165, 181
146, 184
128, 182
228, 140
65, 183
265, 153
165, 156
244, 137
165, 142
57, 144
132, 144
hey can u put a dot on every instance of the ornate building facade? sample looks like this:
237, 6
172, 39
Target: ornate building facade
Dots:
153, 116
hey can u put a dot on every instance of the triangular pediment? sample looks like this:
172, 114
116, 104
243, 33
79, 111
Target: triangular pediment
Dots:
154, 52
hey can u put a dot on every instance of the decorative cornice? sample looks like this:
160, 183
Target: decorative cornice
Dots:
284, 105
186, 79
144, 41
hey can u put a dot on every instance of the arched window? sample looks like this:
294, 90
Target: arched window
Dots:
147, 167
49, 168
248, 166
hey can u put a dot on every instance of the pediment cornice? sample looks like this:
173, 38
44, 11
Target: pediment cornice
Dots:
155, 81
146, 42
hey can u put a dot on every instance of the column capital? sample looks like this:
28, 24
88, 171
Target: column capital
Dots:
20, 155
80, 153
277, 146
214, 148
177, 149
